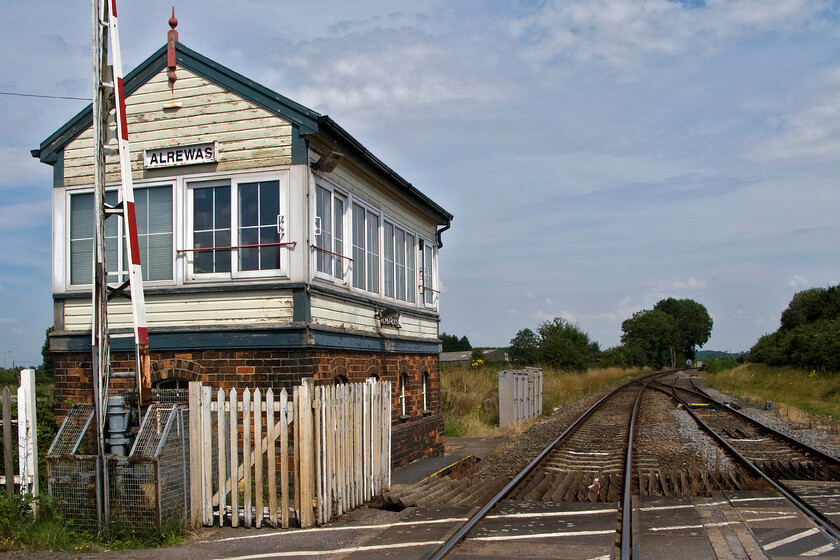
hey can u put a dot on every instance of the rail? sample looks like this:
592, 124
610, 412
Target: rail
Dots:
448, 546
824, 525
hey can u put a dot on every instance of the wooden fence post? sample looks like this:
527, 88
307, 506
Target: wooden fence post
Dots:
221, 439
196, 475
284, 459
307, 454
27, 433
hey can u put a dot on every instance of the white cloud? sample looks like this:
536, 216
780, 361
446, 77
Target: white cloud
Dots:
543, 316
622, 33
798, 281
568, 317
691, 284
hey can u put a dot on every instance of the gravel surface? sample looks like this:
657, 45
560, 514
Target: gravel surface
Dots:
817, 437
522, 450
662, 422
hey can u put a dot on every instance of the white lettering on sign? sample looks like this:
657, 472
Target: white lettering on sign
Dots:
182, 155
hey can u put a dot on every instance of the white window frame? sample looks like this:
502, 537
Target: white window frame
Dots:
120, 274
409, 280
341, 259
376, 241
234, 181
428, 295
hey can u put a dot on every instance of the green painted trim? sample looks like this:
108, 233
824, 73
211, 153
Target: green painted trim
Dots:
301, 305
300, 149
295, 336
58, 170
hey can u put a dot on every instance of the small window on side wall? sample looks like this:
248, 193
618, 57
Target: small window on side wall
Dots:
426, 393
403, 408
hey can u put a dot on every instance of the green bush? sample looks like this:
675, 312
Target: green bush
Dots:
719, 364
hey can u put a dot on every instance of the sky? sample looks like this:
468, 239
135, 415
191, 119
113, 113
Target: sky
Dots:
598, 155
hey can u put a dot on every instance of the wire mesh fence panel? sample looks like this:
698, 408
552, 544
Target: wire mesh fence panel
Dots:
146, 490
72, 430
72, 484
133, 493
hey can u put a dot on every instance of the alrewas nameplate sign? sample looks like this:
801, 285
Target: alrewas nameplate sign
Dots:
193, 154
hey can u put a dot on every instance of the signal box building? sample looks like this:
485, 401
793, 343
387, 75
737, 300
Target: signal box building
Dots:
274, 247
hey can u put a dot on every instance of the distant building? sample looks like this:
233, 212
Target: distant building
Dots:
274, 247
492, 355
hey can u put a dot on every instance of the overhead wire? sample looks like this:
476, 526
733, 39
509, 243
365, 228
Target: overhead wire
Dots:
45, 96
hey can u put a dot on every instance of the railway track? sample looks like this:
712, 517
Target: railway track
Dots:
577, 495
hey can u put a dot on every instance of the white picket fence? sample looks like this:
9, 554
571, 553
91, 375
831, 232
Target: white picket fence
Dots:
520, 395
27, 439
339, 438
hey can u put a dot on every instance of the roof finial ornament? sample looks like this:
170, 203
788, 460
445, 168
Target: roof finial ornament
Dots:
171, 40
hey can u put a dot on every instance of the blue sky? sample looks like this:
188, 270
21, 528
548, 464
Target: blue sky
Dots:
598, 155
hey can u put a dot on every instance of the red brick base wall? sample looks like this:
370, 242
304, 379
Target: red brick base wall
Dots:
415, 434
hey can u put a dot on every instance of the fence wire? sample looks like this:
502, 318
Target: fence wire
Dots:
147, 490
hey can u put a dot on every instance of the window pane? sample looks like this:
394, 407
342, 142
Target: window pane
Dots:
203, 260
222, 206
388, 258
324, 238
269, 202
154, 225
269, 256
338, 236
258, 211
211, 210
203, 209
399, 262
81, 238
248, 204
410, 273
373, 253
427, 275
358, 247
160, 257
113, 226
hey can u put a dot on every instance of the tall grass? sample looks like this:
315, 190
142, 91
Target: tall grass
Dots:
470, 396
802, 392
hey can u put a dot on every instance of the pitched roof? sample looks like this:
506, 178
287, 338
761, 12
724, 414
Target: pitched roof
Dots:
304, 120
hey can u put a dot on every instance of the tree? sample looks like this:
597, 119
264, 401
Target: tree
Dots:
694, 325
48, 364
451, 343
809, 333
809, 306
654, 334
563, 346
524, 347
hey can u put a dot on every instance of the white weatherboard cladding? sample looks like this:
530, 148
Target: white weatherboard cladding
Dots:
199, 111
394, 208
341, 314
182, 310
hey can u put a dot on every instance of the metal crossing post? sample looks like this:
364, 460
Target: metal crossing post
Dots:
108, 97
